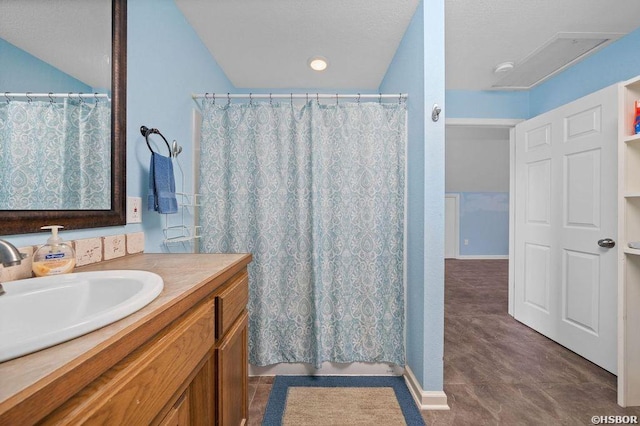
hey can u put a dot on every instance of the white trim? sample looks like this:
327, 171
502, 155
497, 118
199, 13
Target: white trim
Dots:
482, 122
327, 369
405, 230
484, 256
425, 400
512, 221
456, 197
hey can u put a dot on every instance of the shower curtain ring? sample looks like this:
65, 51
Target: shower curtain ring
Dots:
213, 97
270, 99
250, 99
51, 98
6, 95
336, 99
28, 97
95, 96
307, 101
228, 99
379, 98
358, 98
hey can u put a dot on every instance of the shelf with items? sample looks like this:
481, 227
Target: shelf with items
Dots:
629, 258
630, 94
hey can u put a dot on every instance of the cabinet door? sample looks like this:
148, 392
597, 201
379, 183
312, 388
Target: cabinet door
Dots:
233, 375
179, 414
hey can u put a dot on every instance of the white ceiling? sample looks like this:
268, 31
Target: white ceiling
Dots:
267, 43
73, 36
483, 33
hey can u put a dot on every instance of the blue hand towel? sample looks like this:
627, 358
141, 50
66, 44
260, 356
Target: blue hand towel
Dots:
162, 185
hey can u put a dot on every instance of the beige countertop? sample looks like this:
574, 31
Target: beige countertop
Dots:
27, 383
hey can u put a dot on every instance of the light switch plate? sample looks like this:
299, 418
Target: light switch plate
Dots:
134, 209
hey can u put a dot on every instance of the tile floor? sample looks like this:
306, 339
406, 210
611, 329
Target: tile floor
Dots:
496, 370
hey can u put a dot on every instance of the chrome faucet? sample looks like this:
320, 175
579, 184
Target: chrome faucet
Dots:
9, 256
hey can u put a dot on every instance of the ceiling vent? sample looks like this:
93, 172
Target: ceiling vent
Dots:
563, 50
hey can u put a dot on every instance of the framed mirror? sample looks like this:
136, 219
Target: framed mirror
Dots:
111, 210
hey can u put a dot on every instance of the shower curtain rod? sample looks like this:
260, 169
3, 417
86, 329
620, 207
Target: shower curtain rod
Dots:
292, 96
299, 95
54, 95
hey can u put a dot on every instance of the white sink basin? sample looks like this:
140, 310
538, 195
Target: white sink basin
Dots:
37, 313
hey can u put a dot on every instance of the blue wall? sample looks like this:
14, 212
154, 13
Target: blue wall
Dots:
487, 104
166, 62
484, 222
22, 72
617, 62
405, 74
425, 187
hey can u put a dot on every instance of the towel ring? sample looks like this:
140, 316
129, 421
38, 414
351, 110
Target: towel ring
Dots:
147, 131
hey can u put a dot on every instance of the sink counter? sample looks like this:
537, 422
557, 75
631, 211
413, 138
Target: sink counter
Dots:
34, 385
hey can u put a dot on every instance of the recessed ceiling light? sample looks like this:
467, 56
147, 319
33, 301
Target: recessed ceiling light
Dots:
318, 63
503, 67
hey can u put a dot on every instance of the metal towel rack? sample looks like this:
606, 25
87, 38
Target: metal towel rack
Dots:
146, 132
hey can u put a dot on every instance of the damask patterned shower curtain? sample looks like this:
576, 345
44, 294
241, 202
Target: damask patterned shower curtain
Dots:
316, 194
53, 155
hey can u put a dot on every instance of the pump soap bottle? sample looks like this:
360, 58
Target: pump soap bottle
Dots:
55, 257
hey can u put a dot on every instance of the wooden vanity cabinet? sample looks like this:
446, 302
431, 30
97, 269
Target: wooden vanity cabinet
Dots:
231, 352
193, 372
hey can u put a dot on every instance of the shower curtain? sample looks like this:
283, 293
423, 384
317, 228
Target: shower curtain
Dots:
53, 155
316, 194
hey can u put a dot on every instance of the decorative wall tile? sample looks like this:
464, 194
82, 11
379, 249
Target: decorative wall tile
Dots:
135, 243
114, 246
21, 271
88, 251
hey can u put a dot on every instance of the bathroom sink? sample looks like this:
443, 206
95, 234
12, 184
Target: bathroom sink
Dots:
37, 313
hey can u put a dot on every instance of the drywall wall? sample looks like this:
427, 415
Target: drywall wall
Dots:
414, 63
166, 63
477, 159
23, 72
617, 62
477, 168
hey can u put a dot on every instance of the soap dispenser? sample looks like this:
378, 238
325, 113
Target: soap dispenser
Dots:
55, 257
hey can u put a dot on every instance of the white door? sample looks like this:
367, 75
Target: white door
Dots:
451, 226
565, 201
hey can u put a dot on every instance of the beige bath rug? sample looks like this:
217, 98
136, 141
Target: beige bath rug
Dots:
318, 406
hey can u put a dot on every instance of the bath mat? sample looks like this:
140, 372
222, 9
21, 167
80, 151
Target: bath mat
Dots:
336, 400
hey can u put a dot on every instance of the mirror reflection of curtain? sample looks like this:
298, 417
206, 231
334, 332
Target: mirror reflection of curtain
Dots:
55, 155
316, 194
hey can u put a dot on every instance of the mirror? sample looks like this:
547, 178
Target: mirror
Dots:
110, 209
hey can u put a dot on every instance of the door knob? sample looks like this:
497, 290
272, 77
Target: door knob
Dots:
607, 243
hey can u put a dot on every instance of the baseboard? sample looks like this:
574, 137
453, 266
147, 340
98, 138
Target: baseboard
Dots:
327, 369
483, 256
426, 400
